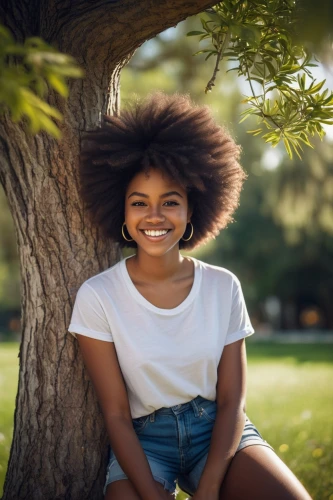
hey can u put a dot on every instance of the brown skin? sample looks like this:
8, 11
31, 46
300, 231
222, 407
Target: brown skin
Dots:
165, 278
257, 473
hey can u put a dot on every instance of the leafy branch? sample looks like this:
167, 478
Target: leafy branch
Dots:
26, 73
258, 35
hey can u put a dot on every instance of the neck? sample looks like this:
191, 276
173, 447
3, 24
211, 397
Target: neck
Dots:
158, 268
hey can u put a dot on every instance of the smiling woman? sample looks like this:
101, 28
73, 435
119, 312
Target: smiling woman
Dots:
162, 335
178, 138
156, 212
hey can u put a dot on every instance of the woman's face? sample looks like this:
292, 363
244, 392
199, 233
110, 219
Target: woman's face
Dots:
156, 212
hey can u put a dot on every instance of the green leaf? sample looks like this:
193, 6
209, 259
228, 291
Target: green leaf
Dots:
304, 138
215, 17
213, 53
287, 146
45, 123
271, 69
244, 118
256, 79
58, 84
205, 26
194, 33
296, 146
255, 132
26, 70
315, 88
204, 51
37, 103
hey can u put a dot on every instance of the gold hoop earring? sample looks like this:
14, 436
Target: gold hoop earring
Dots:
122, 232
192, 230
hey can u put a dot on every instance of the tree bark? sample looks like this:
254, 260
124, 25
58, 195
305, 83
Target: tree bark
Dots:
59, 445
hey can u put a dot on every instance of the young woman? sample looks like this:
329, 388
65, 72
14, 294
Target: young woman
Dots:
162, 335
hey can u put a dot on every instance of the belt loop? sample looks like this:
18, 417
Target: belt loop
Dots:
152, 417
195, 407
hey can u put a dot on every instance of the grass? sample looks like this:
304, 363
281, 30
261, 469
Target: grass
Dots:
8, 387
290, 400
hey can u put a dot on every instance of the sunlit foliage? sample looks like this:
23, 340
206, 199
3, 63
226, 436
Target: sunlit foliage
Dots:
258, 36
27, 71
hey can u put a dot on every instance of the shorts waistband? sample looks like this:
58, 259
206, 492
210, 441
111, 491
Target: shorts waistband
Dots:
194, 404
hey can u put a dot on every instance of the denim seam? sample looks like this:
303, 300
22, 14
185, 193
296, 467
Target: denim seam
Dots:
179, 444
207, 417
195, 408
107, 481
167, 486
253, 442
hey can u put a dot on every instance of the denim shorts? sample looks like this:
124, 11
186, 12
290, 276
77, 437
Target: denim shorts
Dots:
176, 442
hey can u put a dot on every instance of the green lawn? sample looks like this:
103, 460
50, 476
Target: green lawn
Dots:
290, 400
8, 386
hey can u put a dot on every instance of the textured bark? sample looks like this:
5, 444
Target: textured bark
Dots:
59, 443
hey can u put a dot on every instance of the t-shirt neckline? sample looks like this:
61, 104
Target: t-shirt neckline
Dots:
144, 302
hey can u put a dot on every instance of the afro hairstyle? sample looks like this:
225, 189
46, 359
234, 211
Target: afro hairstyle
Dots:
181, 139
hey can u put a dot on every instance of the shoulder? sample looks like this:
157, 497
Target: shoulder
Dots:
216, 274
111, 273
105, 281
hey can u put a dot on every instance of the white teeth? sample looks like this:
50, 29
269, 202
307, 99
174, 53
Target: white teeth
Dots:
151, 232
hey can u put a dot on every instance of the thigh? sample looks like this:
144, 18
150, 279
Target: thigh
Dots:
119, 490
257, 473
162, 468
189, 482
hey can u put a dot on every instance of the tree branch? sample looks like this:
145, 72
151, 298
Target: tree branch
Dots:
219, 57
99, 23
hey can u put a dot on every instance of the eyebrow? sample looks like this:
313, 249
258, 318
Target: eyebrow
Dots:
165, 195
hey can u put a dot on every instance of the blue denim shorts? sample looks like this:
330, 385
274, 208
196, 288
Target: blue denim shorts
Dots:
176, 442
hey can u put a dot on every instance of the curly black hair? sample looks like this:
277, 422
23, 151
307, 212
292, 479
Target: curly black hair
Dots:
172, 134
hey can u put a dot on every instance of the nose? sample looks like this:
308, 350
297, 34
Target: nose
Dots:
155, 216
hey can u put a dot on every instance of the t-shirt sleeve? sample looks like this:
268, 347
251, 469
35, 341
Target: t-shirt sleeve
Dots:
239, 324
88, 316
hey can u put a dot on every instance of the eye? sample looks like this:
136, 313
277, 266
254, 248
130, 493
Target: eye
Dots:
171, 203
138, 204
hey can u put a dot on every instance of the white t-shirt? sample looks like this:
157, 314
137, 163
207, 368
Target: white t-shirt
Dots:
167, 356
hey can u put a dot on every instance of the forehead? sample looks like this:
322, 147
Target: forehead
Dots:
153, 179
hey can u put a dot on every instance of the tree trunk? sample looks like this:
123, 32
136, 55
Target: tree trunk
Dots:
59, 445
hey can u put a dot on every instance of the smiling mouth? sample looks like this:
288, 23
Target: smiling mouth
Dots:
155, 232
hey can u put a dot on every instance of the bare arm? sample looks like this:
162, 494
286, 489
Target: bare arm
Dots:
230, 419
102, 364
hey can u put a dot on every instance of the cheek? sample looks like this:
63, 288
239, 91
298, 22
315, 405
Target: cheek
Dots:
179, 215
129, 211
133, 216
184, 212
